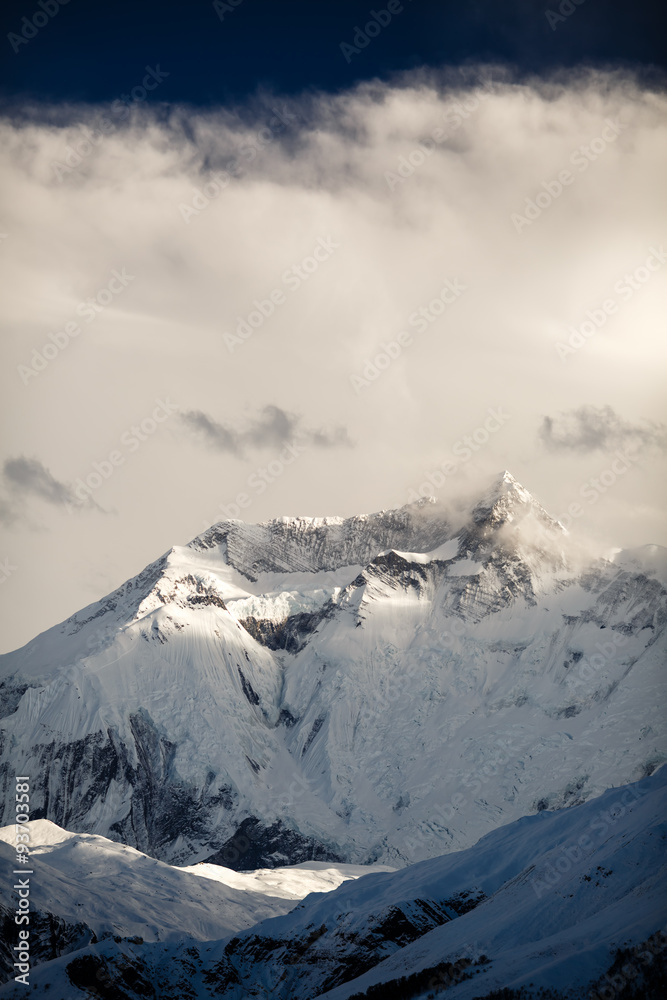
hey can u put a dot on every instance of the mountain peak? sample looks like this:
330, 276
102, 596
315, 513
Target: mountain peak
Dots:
507, 477
505, 483
507, 500
244, 680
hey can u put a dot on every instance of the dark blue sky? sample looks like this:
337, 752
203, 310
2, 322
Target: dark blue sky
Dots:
95, 50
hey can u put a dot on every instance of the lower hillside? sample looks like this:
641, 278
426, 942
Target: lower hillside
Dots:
557, 905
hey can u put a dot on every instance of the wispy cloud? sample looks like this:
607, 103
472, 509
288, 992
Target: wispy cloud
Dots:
271, 429
599, 428
25, 479
28, 476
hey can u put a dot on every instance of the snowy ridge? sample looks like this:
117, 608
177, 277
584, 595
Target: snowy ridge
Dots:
651, 560
544, 901
92, 889
385, 687
561, 892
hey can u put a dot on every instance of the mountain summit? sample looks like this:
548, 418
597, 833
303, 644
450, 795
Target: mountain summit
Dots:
384, 687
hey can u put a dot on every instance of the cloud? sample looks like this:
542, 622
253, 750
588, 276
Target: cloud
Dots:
338, 438
28, 478
599, 428
214, 434
8, 513
272, 429
417, 180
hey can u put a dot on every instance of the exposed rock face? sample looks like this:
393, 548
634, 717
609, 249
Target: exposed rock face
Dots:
255, 845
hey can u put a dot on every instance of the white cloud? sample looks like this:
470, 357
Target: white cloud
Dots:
591, 428
323, 176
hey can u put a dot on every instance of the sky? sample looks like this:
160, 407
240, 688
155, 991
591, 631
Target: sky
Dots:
266, 259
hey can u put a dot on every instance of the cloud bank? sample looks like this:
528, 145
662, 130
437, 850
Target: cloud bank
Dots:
432, 308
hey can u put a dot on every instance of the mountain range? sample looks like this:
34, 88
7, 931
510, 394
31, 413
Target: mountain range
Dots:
381, 690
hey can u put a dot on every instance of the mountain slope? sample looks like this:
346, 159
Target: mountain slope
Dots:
86, 888
564, 891
379, 688
543, 902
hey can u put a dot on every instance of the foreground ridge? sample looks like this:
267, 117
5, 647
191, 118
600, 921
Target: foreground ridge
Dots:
571, 901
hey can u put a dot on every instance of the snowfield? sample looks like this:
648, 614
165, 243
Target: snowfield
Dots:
382, 688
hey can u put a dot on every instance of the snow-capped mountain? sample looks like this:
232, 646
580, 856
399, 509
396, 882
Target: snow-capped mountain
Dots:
546, 901
386, 687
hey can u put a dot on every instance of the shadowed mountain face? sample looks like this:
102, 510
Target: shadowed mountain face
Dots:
385, 687
556, 905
